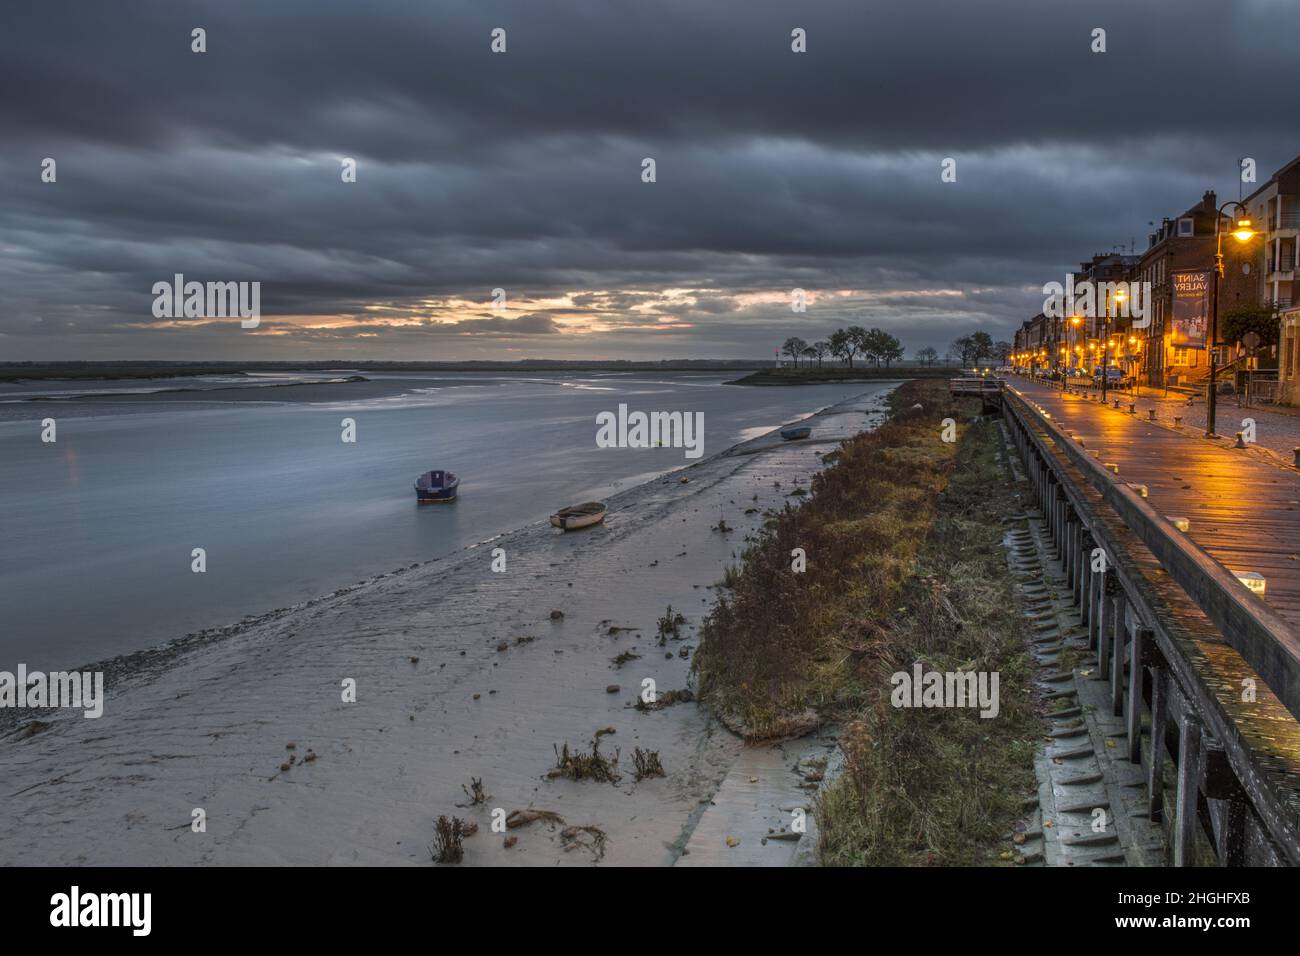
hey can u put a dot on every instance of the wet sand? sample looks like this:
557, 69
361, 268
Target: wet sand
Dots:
206, 723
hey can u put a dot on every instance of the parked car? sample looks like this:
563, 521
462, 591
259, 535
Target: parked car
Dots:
1114, 376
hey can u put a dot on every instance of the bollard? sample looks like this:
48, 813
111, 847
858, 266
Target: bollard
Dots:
1178, 421
1117, 403
1241, 442
1296, 452
1132, 409
1151, 414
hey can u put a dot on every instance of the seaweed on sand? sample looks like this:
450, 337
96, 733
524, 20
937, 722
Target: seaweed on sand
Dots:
576, 765
647, 764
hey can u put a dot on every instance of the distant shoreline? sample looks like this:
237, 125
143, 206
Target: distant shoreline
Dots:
763, 372
826, 376
109, 371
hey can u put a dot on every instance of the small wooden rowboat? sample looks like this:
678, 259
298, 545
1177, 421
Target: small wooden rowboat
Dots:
795, 432
436, 487
579, 516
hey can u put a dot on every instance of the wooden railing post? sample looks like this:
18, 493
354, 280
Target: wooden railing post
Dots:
1189, 775
1141, 638
1071, 550
1086, 544
1110, 592
1058, 520
1119, 644
1096, 591
1159, 726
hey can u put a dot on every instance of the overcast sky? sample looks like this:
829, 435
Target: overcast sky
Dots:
522, 170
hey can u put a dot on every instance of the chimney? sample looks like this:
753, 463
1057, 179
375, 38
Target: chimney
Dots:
1210, 202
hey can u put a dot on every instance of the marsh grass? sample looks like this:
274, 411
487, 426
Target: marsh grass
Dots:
670, 625
779, 641
666, 699
647, 764
576, 765
903, 538
447, 845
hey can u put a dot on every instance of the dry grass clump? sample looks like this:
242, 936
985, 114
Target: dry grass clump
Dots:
647, 764
576, 765
666, 699
448, 837
670, 625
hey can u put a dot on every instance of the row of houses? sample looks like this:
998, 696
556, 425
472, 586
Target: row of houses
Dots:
1162, 341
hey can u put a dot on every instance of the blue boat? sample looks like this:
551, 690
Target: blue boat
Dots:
436, 487
795, 432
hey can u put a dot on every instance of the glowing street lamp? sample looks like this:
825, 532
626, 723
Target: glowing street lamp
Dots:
1134, 363
1075, 322
1119, 298
1242, 231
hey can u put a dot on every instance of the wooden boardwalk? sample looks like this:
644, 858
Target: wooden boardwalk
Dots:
1242, 511
1205, 674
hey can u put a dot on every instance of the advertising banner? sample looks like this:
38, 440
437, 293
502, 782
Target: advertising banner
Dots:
1191, 318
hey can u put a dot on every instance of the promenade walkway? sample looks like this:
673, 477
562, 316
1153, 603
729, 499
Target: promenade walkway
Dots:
1243, 505
1277, 429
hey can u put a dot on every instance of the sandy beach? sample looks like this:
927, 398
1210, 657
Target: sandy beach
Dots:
460, 672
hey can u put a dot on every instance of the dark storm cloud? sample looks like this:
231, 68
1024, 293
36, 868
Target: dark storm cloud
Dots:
522, 170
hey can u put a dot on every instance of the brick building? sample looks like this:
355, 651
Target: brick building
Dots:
1035, 342
1180, 245
1275, 208
1106, 323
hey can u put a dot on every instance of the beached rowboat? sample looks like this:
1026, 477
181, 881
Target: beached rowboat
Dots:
579, 516
795, 432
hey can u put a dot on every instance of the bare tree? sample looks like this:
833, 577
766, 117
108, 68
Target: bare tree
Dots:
794, 347
843, 346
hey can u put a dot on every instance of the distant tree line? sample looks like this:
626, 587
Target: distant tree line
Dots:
971, 349
880, 348
873, 345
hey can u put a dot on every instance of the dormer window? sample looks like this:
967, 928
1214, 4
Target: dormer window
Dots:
1186, 227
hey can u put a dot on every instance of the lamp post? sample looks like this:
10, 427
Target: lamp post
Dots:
1242, 231
1105, 340
1075, 321
1135, 365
